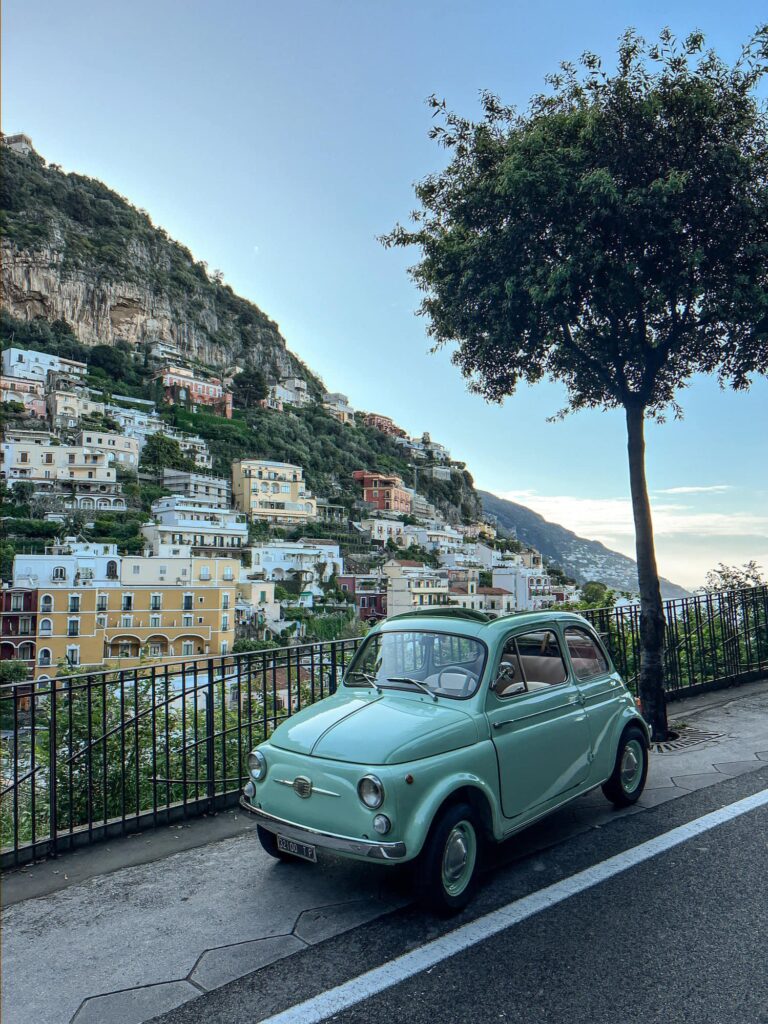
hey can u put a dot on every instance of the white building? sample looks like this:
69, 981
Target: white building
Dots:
214, 490
338, 406
411, 585
78, 477
310, 561
382, 530
194, 522
439, 538
19, 362
292, 391
531, 587
475, 554
123, 451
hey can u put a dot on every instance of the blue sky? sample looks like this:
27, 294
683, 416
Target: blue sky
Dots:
278, 140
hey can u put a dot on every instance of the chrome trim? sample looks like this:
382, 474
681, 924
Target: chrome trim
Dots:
315, 789
375, 779
325, 840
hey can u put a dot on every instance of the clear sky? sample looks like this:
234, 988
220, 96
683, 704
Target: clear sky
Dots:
278, 140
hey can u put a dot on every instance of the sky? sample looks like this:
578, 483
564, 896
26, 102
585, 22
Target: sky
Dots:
278, 141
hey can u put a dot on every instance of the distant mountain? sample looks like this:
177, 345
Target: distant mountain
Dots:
583, 559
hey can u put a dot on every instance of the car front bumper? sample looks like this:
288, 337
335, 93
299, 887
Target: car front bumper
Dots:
325, 840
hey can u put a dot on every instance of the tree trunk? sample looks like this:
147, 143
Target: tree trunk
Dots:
651, 681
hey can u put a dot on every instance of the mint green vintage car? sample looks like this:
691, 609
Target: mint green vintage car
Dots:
450, 731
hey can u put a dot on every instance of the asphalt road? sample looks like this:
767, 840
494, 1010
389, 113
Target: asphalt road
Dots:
677, 938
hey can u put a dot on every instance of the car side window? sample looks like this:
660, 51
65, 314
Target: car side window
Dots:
586, 657
541, 659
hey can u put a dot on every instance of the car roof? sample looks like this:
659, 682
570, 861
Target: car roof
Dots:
465, 622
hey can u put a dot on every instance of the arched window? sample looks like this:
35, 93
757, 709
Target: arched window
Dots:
46, 603
59, 573
44, 657
26, 652
46, 627
111, 570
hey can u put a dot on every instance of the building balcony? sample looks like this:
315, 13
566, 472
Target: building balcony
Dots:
144, 633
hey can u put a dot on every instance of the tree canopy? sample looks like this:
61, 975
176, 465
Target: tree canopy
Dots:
612, 236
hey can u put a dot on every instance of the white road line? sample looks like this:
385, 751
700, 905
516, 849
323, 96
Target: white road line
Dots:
320, 1007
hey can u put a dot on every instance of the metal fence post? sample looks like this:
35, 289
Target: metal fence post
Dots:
210, 759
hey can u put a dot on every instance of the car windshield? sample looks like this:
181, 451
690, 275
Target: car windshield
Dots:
443, 664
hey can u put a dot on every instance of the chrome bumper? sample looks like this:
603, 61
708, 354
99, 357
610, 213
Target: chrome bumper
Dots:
325, 840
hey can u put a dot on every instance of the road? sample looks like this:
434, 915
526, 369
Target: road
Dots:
674, 936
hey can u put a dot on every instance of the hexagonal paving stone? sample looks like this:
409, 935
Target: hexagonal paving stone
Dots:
218, 966
316, 925
134, 1005
732, 768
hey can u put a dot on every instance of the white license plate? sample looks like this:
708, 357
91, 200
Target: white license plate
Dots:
303, 850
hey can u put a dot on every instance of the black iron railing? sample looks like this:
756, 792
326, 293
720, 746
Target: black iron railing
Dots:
94, 754
711, 640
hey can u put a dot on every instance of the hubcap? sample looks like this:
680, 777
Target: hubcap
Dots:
631, 766
459, 858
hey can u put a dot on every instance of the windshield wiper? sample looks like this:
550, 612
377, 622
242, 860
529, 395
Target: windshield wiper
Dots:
414, 682
367, 677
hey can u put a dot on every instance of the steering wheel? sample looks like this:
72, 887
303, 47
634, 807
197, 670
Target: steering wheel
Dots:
469, 678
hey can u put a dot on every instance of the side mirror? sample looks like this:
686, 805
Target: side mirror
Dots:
506, 674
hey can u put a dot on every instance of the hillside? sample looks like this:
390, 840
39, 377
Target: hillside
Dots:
581, 558
74, 250
83, 268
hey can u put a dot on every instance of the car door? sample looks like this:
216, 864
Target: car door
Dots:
538, 725
601, 688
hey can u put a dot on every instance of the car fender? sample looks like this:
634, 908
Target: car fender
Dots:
443, 788
627, 716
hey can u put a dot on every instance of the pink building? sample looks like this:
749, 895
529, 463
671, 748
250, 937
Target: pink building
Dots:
29, 393
183, 388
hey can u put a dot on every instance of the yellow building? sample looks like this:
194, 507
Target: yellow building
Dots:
98, 608
272, 492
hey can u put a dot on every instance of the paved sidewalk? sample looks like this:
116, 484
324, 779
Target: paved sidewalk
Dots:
137, 940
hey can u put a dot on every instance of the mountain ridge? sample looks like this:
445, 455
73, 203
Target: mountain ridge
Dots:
581, 558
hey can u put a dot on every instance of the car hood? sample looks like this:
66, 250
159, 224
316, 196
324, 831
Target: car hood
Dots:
390, 728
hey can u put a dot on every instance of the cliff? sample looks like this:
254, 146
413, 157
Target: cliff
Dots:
72, 249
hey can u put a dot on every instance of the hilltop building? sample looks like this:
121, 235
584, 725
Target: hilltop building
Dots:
383, 423
338, 406
179, 521
19, 362
182, 387
272, 492
383, 492
214, 490
412, 584
78, 477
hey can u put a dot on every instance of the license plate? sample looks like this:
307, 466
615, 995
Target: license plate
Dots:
303, 850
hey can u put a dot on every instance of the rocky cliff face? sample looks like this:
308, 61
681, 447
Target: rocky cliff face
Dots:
74, 250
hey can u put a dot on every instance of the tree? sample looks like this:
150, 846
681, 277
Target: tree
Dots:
161, 452
735, 577
611, 237
248, 388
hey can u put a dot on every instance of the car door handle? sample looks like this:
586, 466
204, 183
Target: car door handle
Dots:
507, 721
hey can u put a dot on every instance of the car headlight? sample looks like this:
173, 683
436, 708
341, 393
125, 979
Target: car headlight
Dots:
371, 791
257, 765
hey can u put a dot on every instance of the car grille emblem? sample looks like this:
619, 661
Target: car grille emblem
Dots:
302, 786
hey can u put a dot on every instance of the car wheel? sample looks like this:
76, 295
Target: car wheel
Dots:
268, 842
446, 870
630, 771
